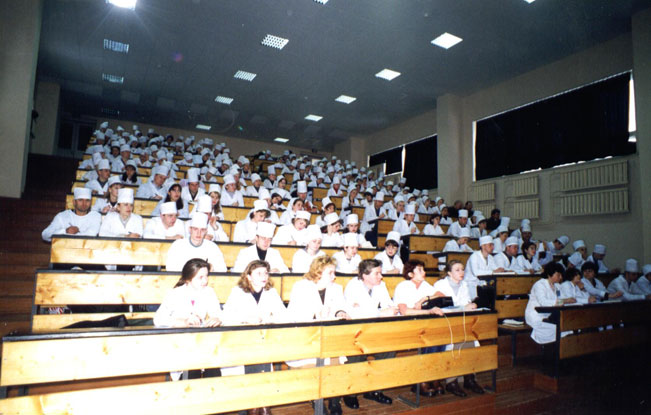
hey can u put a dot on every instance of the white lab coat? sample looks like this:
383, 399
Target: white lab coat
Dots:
182, 251
370, 215
245, 230
156, 230
455, 229
96, 187
569, 290
250, 253
502, 261
229, 199
252, 191
388, 263
408, 294
403, 228
361, 304
598, 289
112, 225
187, 196
643, 286
432, 231
477, 265
335, 240
288, 233
301, 260
181, 302
184, 213
217, 233
525, 265
101, 202
150, 191
453, 246
603, 269
620, 284
305, 302
347, 266
88, 224
542, 295
461, 298
241, 308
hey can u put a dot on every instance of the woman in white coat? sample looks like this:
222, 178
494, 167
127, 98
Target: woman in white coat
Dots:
230, 195
109, 203
453, 285
245, 230
254, 301
296, 232
261, 250
528, 261
546, 292
348, 259
572, 287
123, 223
332, 237
303, 257
295, 205
434, 226
328, 207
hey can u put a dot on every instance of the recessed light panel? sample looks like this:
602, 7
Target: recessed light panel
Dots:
245, 76
281, 139
446, 40
312, 117
224, 100
387, 74
274, 41
321, 1
116, 46
127, 4
529, 1
203, 127
345, 99
114, 79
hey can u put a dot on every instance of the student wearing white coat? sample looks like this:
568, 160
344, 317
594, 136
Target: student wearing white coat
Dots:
155, 187
303, 257
573, 287
644, 282
245, 230
461, 223
461, 244
373, 213
99, 185
79, 220
433, 228
480, 263
261, 250
254, 301
546, 292
391, 262
626, 282
195, 246
528, 261
455, 286
593, 285
507, 260
332, 237
230, 195
348, 259
173, 194
598, 255
295, 233
406, 225
193, 190
109, 203
123, 223
165, 226
215, 231
351, 225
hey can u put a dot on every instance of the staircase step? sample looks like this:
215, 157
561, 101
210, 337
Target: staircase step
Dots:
39, 260
12, 288
38, 247
523, 401
18, 271
14, 322
16, 305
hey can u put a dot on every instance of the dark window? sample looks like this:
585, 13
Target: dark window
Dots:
392, 158
580, 125
421, 168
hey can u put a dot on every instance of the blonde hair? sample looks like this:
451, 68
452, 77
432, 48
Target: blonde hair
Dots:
318, 265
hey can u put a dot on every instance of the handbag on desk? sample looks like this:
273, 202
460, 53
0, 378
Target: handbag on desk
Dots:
440, 302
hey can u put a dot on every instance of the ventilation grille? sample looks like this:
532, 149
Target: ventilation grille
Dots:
481, 192
520, 209
526, 186
484, 207
600, 175
595, 203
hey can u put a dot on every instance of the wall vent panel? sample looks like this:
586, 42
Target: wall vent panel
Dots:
521, 209
525, 186
481, 192
594, 203
595, 175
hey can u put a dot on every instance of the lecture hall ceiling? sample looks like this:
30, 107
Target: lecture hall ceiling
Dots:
184, 53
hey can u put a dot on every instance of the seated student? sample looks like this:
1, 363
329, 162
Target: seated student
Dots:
391, 262
335, 187
499, 238
271, 177
230, 195
261, 250
408, 297
331, 235
155, 187
461, 223
351, 224
643, 284
454, 285
461, 244
215, 231
328, 208
546, 292
580, 254
479, 230
174, 195
572, 287
481, 262
130, 175
507, 260
256, 185
433, 228
446, 219
372, 214
294, 206
165, 226
494, 221
303, 257
626, 282
108, 203
406, 225
367, 297
254, 301
547, 250
123, 223
99, 186
349, 201
214, 191
348, 259
193, 190
594, 286
528, 261
245, 230
598, 255
79, 220
294, 234
195, 246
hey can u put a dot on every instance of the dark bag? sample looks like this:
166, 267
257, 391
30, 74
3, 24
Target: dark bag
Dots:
440, 302
115, 321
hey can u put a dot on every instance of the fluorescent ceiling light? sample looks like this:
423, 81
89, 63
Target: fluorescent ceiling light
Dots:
312, 117
281, 139
321, 1
446, 40
223, 100
529, 1
116, 46
127, 4
114, 79
387, 74
632, 139
274, 41
202, 127
244, 75
345, 99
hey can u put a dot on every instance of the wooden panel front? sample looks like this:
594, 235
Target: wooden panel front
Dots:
429, 260
600, 341
577, 317
516, 285
42, 323
510, 308
428, 243
102, 251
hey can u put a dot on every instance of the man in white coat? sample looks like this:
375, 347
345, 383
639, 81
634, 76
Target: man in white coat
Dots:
593, 285
626, 282
77, 221
123, 223
165, 226
99, 186
643, 283
348, 259
598, 255
462, 222
507, 259
195, 246
155, 187
261, 250
480, 263
193, 190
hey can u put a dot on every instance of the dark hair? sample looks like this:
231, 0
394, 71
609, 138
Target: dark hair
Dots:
190, 269
570, 273
494, 211
552, 268
366, 266
244, 282
450, 264
589, 265
179, 202
391, 242
434, 215
410, 266
526, 246
133, 178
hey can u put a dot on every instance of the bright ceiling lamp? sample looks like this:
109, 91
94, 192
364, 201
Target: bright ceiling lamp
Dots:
126, 4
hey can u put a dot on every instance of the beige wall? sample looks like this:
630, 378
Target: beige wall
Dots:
45, 131
238, 146
420, 126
